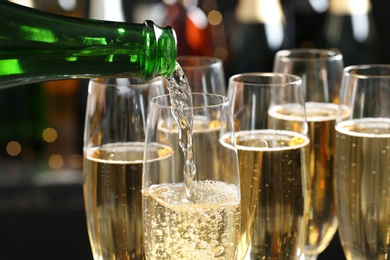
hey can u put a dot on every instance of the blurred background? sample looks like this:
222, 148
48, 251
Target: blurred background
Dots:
41, 201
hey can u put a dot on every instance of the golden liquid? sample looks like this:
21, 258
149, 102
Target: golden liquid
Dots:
178, 229
322, 225
273, 174
362, 186
112, 194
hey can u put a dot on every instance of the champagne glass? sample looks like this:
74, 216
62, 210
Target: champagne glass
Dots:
113, 154
272, 143
204, 74
362, 162
191, 217
321, 71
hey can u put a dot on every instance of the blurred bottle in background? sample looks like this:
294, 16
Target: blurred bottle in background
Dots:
140, 10
350, 27
199, 27
259, 31
109, 10
191, 27
309, 20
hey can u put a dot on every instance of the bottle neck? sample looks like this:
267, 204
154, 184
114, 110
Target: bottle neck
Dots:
36, 46
165, 51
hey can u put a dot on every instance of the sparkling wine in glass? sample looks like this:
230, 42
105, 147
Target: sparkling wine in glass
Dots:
114, 138
321, 71
362, 162
273, 150
204, 224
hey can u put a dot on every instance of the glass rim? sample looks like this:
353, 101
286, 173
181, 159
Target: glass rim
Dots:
209, 62
224, 101
295, 80
356, 71
301, 54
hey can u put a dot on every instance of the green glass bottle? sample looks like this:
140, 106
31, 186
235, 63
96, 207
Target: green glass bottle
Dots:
37, 46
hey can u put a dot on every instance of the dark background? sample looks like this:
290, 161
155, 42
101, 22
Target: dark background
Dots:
41, 206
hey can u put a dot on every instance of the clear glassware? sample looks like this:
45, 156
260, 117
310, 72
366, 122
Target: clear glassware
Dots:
362, 162
204, 74
321, 71
114, 138
273, 148
191, 218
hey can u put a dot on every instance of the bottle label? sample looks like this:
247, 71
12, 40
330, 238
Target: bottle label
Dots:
349, 7
259, 11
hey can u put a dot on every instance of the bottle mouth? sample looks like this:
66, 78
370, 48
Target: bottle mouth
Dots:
166, 49
160, 31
